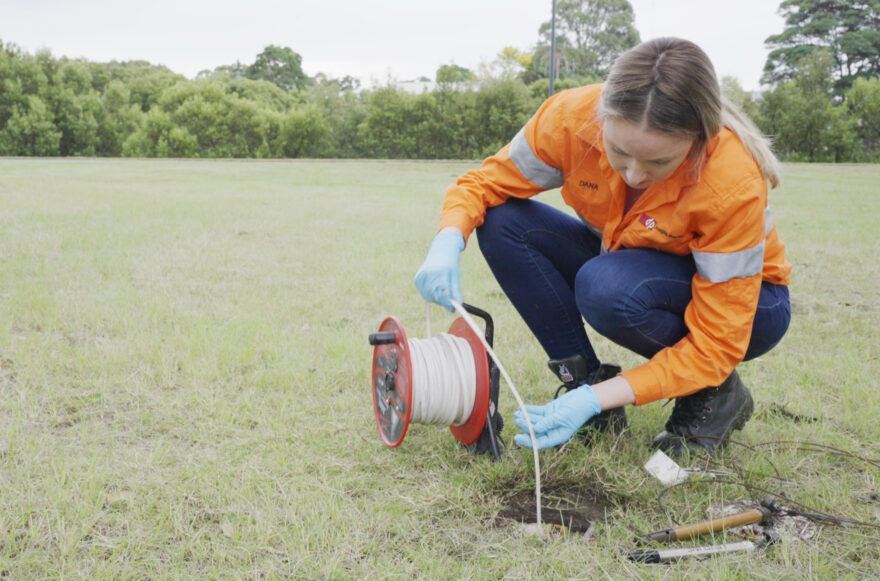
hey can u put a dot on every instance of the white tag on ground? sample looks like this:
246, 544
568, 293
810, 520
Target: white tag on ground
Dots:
665, 469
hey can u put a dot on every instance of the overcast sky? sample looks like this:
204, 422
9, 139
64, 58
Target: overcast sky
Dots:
370, 39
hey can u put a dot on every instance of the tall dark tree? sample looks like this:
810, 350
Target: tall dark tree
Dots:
279, 65
848, 29
590, 34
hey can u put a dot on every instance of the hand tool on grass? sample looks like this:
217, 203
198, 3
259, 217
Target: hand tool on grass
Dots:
713, 525
661, 555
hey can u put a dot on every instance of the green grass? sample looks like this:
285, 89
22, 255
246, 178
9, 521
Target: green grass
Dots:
185, 385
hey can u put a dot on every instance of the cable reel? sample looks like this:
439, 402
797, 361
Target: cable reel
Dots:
396, 388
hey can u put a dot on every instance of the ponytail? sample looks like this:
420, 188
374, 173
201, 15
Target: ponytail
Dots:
756, 143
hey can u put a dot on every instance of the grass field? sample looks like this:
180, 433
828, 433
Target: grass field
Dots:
185, 387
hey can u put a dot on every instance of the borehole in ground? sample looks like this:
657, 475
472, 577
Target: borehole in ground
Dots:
572, 507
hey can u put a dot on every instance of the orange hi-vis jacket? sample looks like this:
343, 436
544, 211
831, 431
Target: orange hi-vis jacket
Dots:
717, 213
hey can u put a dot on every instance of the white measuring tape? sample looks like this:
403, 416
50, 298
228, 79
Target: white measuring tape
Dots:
467, 317
444, 380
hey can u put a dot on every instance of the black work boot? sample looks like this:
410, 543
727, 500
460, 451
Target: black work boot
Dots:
705, 419
574, 371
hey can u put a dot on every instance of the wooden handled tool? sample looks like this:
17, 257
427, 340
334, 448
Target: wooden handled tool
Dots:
714, 525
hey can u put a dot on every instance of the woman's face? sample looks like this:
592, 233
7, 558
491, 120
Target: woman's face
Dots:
640, 155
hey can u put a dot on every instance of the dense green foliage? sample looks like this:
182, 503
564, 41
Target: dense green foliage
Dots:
61, 107
848, 29
823, 104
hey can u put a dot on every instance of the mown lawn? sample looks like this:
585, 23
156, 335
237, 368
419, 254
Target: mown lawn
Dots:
185, 386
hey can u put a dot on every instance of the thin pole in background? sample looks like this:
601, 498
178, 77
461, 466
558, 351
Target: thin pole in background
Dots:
552, 49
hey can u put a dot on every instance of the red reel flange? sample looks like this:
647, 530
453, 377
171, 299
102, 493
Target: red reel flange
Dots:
393, 385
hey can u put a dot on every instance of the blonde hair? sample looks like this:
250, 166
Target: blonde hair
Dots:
670, 84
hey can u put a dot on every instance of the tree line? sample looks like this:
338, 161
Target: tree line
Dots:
63, 107
823, 103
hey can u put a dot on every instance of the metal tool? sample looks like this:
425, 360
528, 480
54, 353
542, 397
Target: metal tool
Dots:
660, 555
775, 507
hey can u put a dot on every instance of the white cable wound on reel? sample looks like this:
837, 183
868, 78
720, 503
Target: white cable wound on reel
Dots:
444, 380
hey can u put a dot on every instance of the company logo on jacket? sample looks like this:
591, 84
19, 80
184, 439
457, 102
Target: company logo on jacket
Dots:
647, 221
651, 224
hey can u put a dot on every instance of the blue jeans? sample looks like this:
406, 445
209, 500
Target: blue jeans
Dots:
549, 266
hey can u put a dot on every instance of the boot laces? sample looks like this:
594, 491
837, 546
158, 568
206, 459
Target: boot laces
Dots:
560, 390
693, 408
566, 387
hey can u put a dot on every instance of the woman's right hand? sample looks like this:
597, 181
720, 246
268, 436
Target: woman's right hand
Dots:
556, 422
439, 278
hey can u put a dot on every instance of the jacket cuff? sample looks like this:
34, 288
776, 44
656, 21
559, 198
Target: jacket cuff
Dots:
459, 219
645, 385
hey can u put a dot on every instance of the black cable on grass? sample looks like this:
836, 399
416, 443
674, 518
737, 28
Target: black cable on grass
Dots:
712, 460
814, 447
804, 446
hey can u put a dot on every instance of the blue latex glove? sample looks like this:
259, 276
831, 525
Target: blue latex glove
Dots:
439, 278
559, 420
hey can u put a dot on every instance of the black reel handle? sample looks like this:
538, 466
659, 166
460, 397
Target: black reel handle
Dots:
383, 338
490, 440
490, 327
387, 337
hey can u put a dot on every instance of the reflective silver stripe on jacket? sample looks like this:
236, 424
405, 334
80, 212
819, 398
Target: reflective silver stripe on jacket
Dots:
723, 266
532, 168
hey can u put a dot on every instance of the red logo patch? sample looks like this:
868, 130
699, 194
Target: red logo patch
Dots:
647, 221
